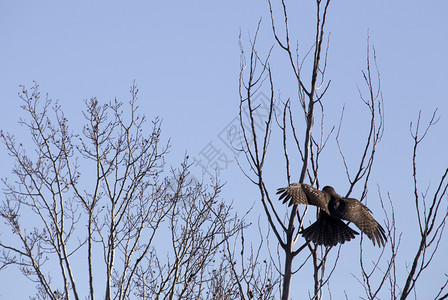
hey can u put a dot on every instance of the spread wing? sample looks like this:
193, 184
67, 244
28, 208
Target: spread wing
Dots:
360, 215
300, 193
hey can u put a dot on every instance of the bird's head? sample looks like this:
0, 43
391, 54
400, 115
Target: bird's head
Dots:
329, 190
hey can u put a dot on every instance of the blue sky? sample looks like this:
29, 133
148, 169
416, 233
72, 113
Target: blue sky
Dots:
184, 57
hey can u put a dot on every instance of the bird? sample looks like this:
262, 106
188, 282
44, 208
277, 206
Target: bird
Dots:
329, 229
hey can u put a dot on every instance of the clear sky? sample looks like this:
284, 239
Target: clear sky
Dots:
184, 57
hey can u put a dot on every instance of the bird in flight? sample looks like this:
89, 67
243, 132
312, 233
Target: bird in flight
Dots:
329, 229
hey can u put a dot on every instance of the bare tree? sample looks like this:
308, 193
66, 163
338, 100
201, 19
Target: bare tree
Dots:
263, 130
431, 213
102, 202
309, 101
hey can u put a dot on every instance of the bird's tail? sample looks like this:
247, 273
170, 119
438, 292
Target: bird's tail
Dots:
328, 231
